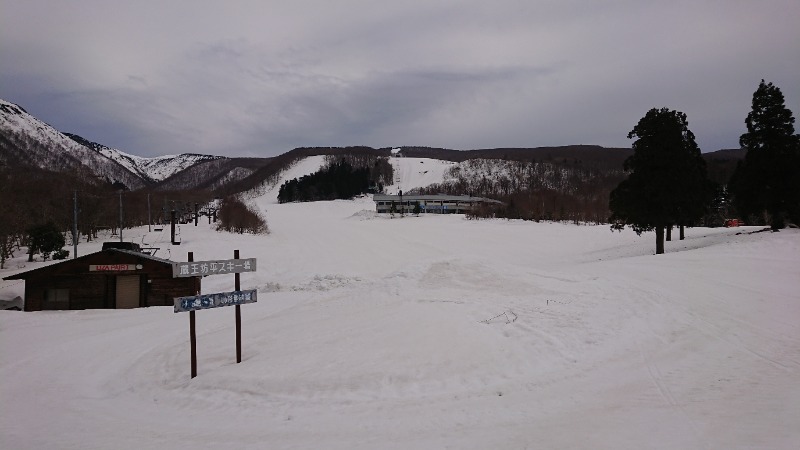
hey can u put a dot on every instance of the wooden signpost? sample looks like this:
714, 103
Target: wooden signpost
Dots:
197, 302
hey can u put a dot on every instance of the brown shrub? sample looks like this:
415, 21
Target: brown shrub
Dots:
236, 217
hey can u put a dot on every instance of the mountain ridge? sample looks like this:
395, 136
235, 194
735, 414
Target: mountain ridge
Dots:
27, 140
155, 169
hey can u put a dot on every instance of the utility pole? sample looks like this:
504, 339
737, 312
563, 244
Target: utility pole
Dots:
120, 215
172, 227
149, 222
74, 224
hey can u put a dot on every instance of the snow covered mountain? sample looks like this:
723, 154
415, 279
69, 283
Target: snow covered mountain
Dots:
152, 169
28, 141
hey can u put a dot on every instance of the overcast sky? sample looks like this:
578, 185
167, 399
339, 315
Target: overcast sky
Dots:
258, 78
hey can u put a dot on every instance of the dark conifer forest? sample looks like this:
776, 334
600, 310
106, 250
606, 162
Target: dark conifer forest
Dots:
337, 181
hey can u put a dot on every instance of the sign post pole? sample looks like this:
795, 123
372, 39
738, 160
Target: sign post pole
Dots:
195, 302
193, 340
192, 334
237, 287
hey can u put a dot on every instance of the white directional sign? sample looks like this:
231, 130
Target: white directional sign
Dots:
183, 304
218, 267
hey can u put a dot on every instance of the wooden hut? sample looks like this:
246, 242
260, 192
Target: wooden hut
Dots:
112, 278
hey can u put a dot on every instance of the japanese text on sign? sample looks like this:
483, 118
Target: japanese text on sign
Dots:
207, 301
202, 268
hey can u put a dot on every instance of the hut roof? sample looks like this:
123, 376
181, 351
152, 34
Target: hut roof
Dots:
134, 254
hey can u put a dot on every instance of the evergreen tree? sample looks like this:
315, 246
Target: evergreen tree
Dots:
44, 239
667, 183
768, 180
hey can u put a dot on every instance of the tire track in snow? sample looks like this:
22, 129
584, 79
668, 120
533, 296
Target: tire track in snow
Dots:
657, 379
649, 303
737, 343
708, 328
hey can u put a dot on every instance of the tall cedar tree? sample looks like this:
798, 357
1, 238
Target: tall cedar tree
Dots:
667, 183
768, 180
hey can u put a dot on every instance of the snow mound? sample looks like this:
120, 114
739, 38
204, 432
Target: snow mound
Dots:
365, 214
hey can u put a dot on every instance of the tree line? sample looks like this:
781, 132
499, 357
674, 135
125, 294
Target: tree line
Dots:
566, 190
35, 201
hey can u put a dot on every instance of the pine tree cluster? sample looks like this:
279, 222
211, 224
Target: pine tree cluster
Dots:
337, 181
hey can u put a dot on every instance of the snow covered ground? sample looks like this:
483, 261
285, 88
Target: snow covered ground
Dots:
428, 332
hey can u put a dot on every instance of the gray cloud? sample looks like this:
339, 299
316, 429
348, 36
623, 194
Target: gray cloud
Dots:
260, 78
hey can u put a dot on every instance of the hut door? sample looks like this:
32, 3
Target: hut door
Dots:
127, 291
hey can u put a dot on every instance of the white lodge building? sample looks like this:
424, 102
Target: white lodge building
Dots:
437, 204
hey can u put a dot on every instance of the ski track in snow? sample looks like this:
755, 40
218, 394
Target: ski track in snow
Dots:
428, 332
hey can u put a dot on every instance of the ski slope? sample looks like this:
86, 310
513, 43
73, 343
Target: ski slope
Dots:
428, 332
410, 173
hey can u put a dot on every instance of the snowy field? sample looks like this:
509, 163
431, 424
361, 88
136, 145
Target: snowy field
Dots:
428, 332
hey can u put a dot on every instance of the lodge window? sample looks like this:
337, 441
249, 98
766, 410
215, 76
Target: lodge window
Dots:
56, 298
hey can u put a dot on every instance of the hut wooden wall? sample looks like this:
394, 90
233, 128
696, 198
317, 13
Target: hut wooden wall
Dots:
91, 289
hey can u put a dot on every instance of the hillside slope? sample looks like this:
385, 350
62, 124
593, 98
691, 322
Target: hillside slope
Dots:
430, 332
